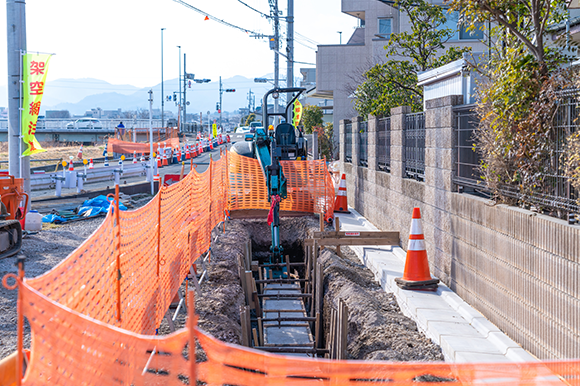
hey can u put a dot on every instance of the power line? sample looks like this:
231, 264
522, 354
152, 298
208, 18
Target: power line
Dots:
213, 17
255, 10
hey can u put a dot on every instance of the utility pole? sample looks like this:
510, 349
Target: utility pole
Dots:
162, 93
275, 15
16, 44
290, 45
220, 109
179, 118
151, 159
184, 90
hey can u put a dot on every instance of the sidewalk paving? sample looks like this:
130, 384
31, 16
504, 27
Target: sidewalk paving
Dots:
463, 333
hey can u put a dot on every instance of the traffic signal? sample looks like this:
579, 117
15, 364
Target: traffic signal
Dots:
272, 43
174, 97
217, 106
230, 90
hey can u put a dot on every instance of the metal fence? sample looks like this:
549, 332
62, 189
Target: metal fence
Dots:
348, 143
363, 144
556, 191
467, 175
384, 144
414, 140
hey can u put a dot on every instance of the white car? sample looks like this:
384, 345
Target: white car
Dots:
243, 130
85, 123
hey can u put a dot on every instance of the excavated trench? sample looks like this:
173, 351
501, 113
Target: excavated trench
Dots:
357, 319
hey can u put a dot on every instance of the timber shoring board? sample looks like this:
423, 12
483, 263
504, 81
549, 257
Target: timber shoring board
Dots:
354, 238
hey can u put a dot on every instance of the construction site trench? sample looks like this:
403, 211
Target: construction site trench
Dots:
375, 327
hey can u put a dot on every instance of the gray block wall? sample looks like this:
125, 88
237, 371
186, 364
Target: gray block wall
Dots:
519, 268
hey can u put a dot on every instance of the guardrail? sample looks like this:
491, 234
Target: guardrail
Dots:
39, 181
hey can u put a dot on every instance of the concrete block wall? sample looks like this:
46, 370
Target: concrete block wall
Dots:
518, 268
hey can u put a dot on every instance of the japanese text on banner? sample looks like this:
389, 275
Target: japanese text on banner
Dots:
297, 113
34, 76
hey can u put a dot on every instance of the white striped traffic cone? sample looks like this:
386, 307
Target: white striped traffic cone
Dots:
416, 275
91, 166
341, 205
134, 157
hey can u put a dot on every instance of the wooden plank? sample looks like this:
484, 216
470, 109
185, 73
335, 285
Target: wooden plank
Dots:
344, 330
321, 216
359, 241
337, 228
248, 288
255, 334
261, 330
244, 328
352, 235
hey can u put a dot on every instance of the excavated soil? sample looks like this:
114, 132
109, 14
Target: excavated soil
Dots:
377, 329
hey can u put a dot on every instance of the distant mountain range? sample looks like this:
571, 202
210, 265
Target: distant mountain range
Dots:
80, 95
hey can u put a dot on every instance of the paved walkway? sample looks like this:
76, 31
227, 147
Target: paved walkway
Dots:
463, 333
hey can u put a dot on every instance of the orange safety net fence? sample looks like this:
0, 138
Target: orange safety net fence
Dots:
309, 185
122, 147
159, 133
94, 316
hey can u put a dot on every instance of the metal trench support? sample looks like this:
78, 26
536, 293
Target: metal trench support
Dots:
311, 287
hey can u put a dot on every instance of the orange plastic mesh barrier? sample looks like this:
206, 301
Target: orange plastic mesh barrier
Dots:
159, 133
229, 364
93, 317
122, 147
309, 185
152, 264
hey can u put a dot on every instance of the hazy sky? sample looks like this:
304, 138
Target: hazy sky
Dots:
119, 41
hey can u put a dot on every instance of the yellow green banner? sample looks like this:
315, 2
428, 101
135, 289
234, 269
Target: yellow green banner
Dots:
35, 67
297, 116
214, 128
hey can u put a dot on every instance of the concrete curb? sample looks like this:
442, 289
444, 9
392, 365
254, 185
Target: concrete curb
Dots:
462, 332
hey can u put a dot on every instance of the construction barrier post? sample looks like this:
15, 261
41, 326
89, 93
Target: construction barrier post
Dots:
118, 252
20, 327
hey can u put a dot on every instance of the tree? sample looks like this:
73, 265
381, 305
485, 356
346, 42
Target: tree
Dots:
311, 117
518, 96
394, 82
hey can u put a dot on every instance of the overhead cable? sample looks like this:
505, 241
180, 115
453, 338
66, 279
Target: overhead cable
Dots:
213, 17
255, 10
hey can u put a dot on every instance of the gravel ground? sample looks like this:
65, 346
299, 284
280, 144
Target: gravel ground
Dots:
43, 251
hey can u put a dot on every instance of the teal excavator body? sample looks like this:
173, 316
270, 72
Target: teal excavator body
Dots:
285, 142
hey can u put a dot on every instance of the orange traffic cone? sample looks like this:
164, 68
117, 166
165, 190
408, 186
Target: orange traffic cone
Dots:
80, 153
341, 205
178, 155
164, 160
91, 166
187, 153
416, 275
159, 163
134, 157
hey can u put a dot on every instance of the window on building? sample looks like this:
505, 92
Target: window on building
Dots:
385, 28
461, 32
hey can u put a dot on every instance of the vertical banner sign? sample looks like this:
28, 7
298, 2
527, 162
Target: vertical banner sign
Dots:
297, 116
34, 77
214, 128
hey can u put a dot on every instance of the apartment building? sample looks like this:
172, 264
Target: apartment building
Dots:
339, 66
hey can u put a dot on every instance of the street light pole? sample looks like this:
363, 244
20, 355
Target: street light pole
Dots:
180, 99
18, 167
162, 93
221, 91
184, 90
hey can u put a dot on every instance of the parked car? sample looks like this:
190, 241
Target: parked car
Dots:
85, 123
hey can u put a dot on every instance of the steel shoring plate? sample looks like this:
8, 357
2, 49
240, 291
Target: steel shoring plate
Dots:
293, 334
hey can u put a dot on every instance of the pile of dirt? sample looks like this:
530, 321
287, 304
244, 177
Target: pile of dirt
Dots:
377, 330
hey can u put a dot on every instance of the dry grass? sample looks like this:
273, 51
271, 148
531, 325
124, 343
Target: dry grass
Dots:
55, 151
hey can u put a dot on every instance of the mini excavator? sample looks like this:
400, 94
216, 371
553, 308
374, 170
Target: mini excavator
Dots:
270, 147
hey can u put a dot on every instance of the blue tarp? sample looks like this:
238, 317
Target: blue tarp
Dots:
90, 208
